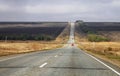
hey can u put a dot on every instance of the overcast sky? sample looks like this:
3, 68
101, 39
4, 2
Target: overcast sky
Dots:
59, 10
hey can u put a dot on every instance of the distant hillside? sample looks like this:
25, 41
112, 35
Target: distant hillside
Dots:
31, 31
103, 26
31, 24
110, 30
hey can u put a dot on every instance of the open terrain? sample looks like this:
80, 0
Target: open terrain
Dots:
92, 37
66, 61
58, 31
31, 31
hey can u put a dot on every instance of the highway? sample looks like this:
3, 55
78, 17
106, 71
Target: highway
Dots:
66, 61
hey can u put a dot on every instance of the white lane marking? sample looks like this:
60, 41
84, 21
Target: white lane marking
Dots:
43, 65
104, 64
56, 56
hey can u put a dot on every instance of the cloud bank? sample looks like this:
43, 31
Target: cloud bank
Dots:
60, 10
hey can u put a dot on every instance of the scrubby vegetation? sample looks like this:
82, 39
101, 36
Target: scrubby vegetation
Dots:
31, 31
109, 51
10, 48
96, 38
31, 38
100, 39
91, 34
26, 37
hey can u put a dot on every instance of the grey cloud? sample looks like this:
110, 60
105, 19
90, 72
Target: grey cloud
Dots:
60, 10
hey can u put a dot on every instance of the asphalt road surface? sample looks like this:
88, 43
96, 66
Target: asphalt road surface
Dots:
66, 61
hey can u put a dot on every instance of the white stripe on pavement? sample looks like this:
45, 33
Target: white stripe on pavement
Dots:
43, 65
56, 56
104, 64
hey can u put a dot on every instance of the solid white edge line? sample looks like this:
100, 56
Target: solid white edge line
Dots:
103, 64
43, 65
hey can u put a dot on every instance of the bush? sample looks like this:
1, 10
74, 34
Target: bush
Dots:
96, 38
109, 49
91, 32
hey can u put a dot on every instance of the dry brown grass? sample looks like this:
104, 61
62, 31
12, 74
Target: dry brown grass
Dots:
15, 47
64, 36
109, 51
113, 35
112, 48
80, 38
23, 47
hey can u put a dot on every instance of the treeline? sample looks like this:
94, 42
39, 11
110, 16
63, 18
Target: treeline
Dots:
26, 37
30, 33
92, 35
104, 26
85, 28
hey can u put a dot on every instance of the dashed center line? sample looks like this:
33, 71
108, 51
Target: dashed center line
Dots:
41, 66
56, 55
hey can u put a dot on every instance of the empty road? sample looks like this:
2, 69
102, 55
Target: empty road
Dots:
66, 61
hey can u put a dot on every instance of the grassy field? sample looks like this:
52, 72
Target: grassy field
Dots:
18, 46
109, 51
106, 50
24, 47
31, 31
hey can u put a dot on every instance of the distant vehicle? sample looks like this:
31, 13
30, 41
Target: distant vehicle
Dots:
72, 44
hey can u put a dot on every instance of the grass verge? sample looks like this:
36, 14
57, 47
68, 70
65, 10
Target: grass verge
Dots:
108, 51
17, 47
24, 47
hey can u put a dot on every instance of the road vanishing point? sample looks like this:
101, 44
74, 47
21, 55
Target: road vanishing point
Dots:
66, 61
